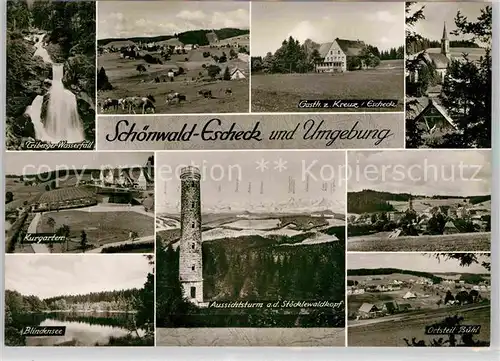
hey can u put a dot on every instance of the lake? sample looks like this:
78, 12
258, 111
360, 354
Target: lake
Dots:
82, 328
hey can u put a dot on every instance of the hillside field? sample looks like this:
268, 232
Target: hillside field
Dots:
459, 242
282, 92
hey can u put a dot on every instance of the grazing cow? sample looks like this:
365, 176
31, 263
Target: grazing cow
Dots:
148, 103
173, 96
228, 91
206, 93
110, 104
171, 75
130, 103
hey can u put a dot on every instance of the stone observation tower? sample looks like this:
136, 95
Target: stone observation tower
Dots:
190, 254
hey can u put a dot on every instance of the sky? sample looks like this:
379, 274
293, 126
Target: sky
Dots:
25, 163
55, 275
422, 172
438, 13
221, 170
124, 19
412, 261
377, 24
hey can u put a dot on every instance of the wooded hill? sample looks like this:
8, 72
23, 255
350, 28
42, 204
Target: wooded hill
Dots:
370, 201
389, 271
254, 273
195, 37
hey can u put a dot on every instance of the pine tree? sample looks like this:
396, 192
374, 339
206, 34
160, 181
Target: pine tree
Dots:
467, 87
227, 74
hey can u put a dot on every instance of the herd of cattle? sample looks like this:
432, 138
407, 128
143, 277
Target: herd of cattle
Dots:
147, 104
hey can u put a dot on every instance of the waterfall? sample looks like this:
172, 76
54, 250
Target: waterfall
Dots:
62, 122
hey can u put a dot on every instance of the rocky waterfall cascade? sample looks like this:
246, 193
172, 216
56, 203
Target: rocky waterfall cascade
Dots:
62, 121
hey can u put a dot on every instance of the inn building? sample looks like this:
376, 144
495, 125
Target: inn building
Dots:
335, 54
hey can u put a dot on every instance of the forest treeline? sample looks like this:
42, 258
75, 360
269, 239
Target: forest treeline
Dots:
70, 29
421, 44
387, 271
369, 201
195, 37
111, 300
18, 309
253, 272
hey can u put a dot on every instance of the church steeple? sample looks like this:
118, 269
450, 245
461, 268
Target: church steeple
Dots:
445, 43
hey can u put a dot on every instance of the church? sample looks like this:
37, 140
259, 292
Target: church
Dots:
439, 58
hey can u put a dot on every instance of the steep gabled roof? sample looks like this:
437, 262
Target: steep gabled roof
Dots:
367, 307
351, 47
439, 60
323, 49
422, 106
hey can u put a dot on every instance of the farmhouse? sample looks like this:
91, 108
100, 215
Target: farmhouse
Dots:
368, 310
237, 74
431, 117
390, 307
409, 295
450, 228
336, 54
405, 307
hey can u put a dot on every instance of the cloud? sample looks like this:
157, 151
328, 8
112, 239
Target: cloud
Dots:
461, 173
47, 276
230, 19
384, 16
305, 30
115, 24
191, 15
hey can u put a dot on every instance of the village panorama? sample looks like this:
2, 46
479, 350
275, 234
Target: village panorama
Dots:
437, 214
411, 299
193, 65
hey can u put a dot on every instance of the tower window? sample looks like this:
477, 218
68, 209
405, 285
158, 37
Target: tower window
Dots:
193, 292
192, 245
192, 205
192, 268
192, 225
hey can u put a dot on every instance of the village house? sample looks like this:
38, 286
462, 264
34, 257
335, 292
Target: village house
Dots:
336, 54
390, 307
368, 310
409, 295
405, 307
450, 228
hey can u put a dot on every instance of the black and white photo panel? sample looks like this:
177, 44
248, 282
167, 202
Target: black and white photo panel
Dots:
308, 56
175, 57
419, 300
419, 201
80, 301
250, 242
98, 202
50, 77
448, 74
